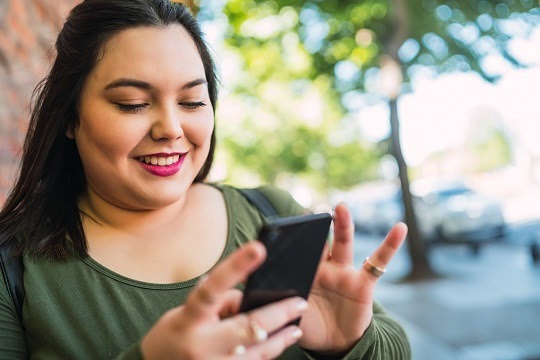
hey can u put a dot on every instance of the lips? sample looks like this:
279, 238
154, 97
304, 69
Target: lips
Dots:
162, 164
159, 160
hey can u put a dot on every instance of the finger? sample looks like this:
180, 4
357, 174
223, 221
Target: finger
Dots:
275, 345
254, 327
326, 253
231, 303
342, 247
384, 253
209, 295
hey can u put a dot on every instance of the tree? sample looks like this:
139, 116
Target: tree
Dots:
192, 4
381, 46
284, 121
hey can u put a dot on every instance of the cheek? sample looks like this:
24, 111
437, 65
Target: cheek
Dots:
107, 136
200, 130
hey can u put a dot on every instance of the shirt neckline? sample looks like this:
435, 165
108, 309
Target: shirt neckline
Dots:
229, 247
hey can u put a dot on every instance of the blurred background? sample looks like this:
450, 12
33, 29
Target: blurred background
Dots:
422, 111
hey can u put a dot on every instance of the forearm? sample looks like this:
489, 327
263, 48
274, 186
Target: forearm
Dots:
389, 340
383, 339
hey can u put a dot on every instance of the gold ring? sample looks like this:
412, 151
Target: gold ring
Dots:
258, 332
372, 268
239, 350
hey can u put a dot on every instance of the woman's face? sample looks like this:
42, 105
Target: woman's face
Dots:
145, 118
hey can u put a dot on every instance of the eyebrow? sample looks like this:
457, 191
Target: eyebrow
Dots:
194, 83
147, 86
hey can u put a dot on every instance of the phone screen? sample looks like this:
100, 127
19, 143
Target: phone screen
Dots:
294, 247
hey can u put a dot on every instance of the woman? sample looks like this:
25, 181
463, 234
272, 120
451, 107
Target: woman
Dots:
110, 214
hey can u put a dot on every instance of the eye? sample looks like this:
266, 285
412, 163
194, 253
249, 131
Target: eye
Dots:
192, 105
132, 108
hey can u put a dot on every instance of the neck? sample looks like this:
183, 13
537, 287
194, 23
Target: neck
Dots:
97, 211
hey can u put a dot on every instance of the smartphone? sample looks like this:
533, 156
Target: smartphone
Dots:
294, 247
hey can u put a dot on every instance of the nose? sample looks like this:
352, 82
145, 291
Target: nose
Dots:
168, 125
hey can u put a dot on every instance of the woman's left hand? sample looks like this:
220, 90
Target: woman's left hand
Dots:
341, 299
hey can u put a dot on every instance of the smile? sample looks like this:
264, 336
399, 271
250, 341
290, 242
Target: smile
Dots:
162, 165
159, 160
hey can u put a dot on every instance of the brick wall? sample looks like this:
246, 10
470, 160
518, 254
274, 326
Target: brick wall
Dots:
27, 32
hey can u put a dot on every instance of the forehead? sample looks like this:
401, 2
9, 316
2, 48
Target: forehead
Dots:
154, 54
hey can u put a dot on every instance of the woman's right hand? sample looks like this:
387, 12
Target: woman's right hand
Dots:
208, 325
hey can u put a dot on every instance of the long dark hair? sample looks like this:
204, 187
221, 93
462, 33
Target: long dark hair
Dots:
40, 216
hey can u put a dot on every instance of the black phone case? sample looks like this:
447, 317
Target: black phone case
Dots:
294, 247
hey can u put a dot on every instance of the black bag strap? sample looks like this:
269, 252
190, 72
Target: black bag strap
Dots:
261, 202
12, 272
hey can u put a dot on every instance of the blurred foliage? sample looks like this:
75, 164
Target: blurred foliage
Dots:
443, 36
193, 5
494, 151
334, 48
274, 127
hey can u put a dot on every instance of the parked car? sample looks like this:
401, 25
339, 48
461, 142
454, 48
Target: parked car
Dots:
449, 212
458, 213
377, 215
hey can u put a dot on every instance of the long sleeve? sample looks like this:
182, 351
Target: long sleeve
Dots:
389, 339
384, 339
131, 353
12, 340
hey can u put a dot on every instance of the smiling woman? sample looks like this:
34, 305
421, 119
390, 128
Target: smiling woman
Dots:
132, 110
127, 251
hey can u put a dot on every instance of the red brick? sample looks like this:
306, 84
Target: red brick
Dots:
18, 9
26, 38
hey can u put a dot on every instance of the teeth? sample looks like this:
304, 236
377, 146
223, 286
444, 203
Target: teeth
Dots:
161, 161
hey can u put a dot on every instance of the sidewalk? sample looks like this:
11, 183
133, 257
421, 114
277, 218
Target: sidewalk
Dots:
482, 308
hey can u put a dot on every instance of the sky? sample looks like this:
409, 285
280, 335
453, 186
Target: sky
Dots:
437, 113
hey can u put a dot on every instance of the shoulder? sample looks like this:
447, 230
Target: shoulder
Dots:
11, 331
12, 275
6, 302
282, 201
245, 220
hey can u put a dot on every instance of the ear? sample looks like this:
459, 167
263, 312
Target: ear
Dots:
70, 133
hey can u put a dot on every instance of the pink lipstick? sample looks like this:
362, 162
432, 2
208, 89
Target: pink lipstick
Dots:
163, 170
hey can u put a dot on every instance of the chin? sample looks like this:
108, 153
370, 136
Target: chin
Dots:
158, 202
152, 201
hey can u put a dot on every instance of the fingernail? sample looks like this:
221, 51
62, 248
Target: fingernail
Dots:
297, 333
251, 254
301, 305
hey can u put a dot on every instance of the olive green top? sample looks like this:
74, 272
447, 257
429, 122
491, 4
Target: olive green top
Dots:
81, 310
